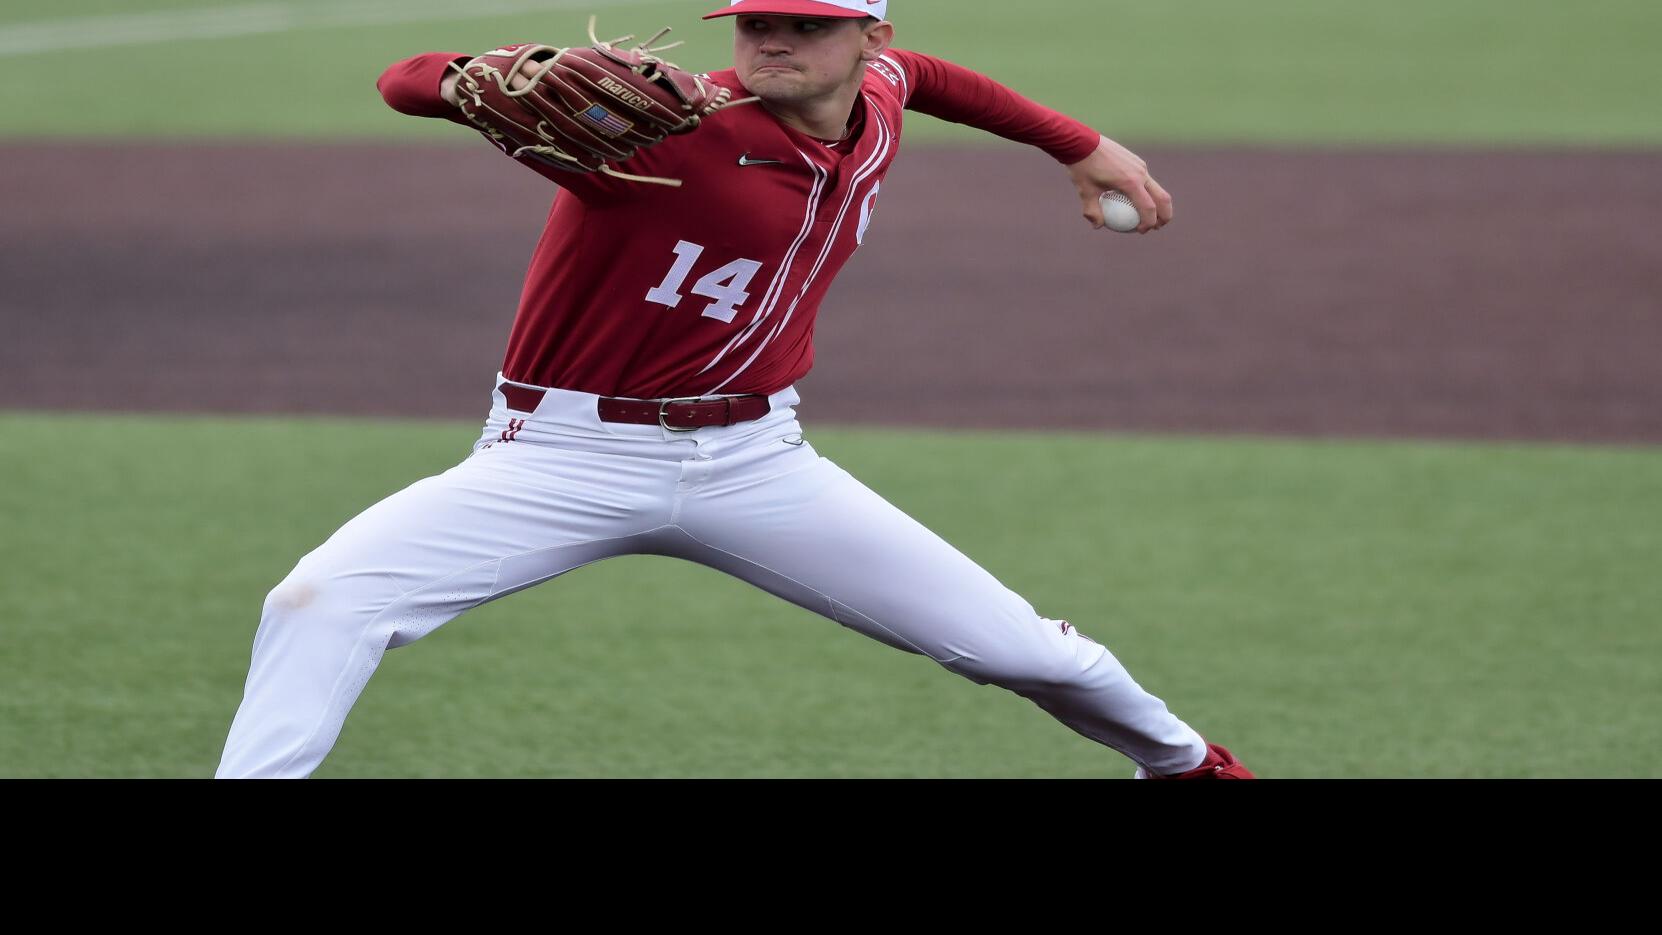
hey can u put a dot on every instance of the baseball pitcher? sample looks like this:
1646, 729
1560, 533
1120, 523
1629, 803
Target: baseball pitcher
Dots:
645, 404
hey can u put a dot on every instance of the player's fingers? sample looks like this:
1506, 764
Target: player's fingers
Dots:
1147, 210
1162, 202
1092, 202
527, 73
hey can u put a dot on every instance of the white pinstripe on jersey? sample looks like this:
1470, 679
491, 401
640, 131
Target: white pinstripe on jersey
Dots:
777, 286
873, 163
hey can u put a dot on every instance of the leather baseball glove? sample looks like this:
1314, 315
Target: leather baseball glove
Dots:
582, 109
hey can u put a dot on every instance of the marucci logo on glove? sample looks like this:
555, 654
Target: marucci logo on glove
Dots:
624, 94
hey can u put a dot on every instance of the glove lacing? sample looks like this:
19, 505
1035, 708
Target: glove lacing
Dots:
648, 65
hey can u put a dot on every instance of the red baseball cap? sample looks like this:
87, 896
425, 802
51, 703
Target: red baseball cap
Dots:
830, 9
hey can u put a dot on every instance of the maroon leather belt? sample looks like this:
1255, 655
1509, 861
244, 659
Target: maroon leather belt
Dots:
677, 415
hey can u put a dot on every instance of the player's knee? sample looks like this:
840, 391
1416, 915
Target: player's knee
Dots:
1040, 653
292, 608
352, 607
303, 599
1019, 671
291, 595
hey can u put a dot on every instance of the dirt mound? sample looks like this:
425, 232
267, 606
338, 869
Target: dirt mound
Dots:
1382, 293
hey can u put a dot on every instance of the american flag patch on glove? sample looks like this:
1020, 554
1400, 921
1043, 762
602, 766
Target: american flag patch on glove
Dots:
605, 121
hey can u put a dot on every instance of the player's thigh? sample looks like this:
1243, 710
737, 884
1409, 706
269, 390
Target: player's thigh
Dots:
822, 539
500, 521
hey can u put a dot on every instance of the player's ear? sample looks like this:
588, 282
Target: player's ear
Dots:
878, 37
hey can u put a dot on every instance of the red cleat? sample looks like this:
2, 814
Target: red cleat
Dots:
1219, 764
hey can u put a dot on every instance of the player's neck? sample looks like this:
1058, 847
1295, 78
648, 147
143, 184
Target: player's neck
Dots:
824, 118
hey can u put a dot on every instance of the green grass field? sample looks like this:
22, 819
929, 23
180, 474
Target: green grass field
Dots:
1326, 608
1214, 71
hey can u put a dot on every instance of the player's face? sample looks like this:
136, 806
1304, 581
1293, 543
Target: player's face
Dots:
794, 59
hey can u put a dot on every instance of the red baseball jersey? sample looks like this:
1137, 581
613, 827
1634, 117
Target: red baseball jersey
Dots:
647, 291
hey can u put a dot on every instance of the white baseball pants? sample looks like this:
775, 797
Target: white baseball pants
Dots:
548, 491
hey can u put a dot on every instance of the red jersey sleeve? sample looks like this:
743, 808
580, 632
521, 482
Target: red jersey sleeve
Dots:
952, 92
411, 86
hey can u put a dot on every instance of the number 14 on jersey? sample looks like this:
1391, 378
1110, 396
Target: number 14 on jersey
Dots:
726, 285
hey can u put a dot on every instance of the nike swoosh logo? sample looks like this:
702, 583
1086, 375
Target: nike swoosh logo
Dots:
745, 160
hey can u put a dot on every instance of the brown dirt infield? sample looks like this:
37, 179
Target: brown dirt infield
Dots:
1452, 294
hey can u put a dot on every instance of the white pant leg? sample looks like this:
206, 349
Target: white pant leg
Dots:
506, 518
780, 517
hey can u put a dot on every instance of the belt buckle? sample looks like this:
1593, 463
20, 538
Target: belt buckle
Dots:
663, 410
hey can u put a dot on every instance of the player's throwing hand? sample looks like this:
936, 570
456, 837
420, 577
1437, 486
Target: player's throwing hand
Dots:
1112, 166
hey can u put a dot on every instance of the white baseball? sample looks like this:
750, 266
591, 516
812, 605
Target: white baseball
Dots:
1118, 212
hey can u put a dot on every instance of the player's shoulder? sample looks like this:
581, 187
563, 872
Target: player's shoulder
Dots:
891, 71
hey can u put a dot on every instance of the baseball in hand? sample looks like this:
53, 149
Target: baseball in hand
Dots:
1118, 213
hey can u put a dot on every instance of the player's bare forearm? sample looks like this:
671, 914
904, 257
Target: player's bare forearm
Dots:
1112, 166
